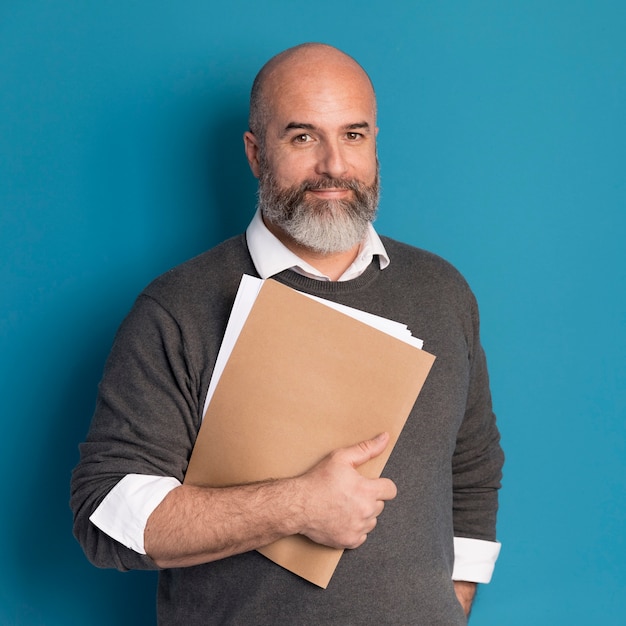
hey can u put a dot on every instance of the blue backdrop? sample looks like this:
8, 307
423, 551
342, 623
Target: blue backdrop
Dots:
502, 142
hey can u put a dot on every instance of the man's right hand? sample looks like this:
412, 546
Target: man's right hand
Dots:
332, 504
339, 505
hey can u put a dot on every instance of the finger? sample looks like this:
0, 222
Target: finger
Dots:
368, 449
359, 542
387, 489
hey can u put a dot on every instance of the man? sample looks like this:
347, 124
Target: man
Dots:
312, 144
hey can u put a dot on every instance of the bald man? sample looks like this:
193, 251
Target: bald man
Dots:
419, 538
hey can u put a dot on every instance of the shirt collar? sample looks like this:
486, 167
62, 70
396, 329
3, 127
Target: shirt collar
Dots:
270, 256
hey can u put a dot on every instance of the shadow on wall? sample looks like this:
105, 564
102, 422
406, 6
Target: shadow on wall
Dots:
232, 183
212, 178
213, 183
203, 190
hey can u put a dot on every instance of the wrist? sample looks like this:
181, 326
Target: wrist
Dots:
296, 519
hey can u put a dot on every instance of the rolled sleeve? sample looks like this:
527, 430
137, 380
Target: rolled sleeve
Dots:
474, 559
124, 512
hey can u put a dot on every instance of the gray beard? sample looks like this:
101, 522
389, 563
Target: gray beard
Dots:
323, 226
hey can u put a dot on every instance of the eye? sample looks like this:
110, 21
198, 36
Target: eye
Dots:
352, 136
303, 138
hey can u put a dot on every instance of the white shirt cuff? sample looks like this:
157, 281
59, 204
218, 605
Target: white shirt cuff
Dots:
124, 513
474, 559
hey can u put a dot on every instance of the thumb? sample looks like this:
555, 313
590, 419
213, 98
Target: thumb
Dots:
368, 449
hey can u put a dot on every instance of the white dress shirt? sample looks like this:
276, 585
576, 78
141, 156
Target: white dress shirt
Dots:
124, 512
270, 256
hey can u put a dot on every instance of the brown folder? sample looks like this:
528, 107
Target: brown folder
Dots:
302, 380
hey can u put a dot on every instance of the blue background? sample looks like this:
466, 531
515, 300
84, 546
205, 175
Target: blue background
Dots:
503, 148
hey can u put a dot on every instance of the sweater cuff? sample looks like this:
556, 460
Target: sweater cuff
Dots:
474, 559
124, 512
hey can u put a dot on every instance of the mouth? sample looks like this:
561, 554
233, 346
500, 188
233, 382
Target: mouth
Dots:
331, 193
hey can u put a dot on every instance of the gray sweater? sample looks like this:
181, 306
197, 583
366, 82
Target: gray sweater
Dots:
446, 464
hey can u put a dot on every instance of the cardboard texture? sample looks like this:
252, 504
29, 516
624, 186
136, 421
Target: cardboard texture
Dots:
301, 381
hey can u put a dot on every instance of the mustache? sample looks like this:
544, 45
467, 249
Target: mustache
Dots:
330, 183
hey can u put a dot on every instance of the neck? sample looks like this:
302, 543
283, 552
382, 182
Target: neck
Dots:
332, 264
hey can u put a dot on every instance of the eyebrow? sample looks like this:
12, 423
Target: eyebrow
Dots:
306, 126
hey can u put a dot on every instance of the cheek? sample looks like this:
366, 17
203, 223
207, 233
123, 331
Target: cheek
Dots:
291, 171
367, 170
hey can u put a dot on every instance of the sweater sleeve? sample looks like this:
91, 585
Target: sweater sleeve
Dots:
478, 458
145, 423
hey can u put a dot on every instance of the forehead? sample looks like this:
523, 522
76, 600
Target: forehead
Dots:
321, 90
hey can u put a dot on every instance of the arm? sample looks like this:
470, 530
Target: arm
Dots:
145, 424
477, 470
332, 504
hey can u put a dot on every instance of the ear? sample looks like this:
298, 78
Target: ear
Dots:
251, 145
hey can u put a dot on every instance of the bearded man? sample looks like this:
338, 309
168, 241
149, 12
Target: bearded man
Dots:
312, 144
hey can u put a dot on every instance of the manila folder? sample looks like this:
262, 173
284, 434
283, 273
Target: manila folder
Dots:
302, 380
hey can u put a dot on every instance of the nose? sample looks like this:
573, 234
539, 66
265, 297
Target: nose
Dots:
331, 160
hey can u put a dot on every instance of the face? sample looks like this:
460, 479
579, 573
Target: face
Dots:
317, 166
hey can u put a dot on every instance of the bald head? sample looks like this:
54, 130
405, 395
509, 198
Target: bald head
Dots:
302, 64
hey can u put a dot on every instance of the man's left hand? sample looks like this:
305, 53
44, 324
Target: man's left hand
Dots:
465, 593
